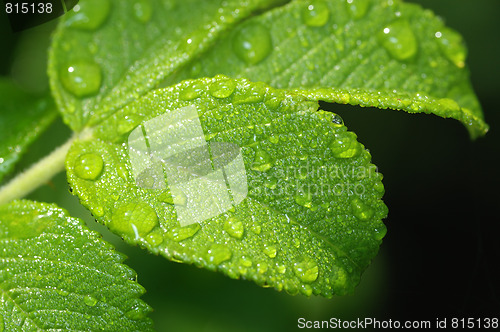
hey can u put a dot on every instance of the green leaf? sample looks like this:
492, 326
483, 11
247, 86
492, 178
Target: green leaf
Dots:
385, 54
22, 119
56, 274
92, 75
311, 221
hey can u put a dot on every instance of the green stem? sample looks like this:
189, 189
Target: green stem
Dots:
37, 175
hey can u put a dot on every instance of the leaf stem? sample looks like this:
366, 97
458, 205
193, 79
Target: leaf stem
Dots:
39, 173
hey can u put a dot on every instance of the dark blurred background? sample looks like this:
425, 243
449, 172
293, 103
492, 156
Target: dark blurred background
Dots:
441, 255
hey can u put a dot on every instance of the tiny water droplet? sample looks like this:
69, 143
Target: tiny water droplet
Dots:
271, 182
399, 40
262, 161
98, 211
307, 270
360, 210
316, 14
89, 300
143, 10
379, 232
256, 229
345, 145
262, 267
62, 292
296, 243
252, 43
337, 119
452, 46
89, 15
270, 251
280, 268
234, 227
122, 172
274, 139
358, 8
88, 166
135, 219
82, 78
246, 262
181, 233
222, 88
218, 253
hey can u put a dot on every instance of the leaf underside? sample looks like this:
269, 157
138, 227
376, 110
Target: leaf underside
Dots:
55, 274
311, 222
22, 119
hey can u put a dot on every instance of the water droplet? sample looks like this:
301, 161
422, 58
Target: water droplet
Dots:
89, 300
316, 14
270, 251
399, 40
360, 210
296, 243
98, 211
137, 312
181, 233
379, 232
304, 199
143, 10
307, 270
135, 219
262, 267
256, 229
358, 8
271, 182
62, 292
222, 88
262, 161
449, 106
306, 290
345, 145
234, 227
291, 287
337, 119
252, 43
82, 78
280, 268
452, 46
246, 262
155, 237
190, 92
89, 15
218, 253
274, 139
88, 166
122, 172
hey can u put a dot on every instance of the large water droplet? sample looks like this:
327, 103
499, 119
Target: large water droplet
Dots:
269, 250
234, 227
452, 46
182, 233
252, 43
82, 78
316, 14
262, 161
222, 88
360, 210
88, 166
399, 40
143, 10
218, 253
135, 219
89, 300
89, 14
191, 91
358, 8
345, 145
337, 119
307, 270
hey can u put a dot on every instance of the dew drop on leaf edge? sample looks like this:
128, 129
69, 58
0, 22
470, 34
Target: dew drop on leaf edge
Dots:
306, 270
218, 253
222, 88
135, 219
360, 210
252, 43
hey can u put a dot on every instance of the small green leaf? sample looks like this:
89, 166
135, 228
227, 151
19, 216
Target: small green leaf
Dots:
22, 119
310, 220
385, 54
92, 75
55, 274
